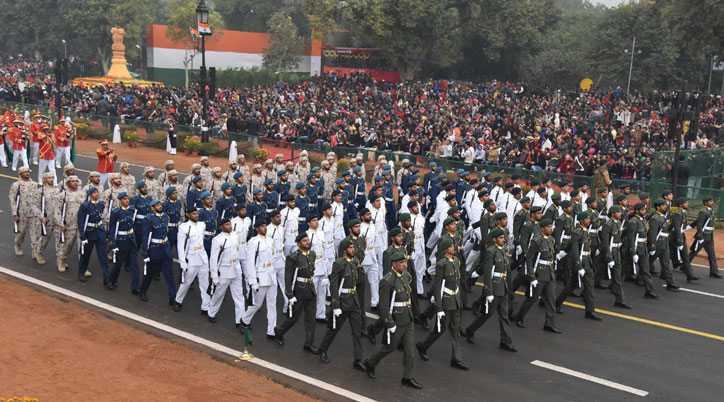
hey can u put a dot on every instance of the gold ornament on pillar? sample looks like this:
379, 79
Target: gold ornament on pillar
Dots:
118, 62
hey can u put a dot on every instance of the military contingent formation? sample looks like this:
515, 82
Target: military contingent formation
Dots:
413, 248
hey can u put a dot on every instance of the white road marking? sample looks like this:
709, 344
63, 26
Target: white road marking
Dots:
588, 377
699, 292
188, 336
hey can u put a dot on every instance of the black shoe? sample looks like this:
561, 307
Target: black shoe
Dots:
469, 336
459, 365
422, 351
559, 309
371, 334
111, 286
177, 307
204, 312
323, 357
654, 272
622, 305
717, 276
278, 338
541, 303
552, 329
519, 322
651, 295
322, 320
476, 308
157, 277
424, 323
212, 320
599, 286
135, 292
673, 286
311, 349
576, 296
82, 279
468, 308
143, 297
171, 301
692, 278
640, 283
358, 365
509, 348
593, 316
270, 337
370, 370
411, 382
374, 309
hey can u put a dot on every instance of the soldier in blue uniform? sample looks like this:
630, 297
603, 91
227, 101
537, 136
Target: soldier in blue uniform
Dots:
92, 233
209, 216
270, 197
172, 208
389, 196
378, 182
302, 202
428, 177
311, 191
317, 172
123, 243
358, 187
225, 204
157, 252
282, 186
256, 210
141, 203
192, 197
238, 190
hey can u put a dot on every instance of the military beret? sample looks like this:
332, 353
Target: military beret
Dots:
274, 213
431, 164
310, 175
473, 182
620, 197
449, 187
259, 223
566, 203
268, 182
397, 257
195, 179
601, 190
299, 185
411, 204
191, 209
154, 202
509, 185
447, 242
239, 206
448, 221
459, 171
225, 186
541, 190
170, 190
524, 199
412, 193
311, 216
352, 222
379, 178
583, 215
482, 193
616, 208
404, 217
497, 178
644, 195
486, 174
204, 195
623, 185
302, 235
225, 220
339, 181
237, 175
680, 200
288, 197
497, 232
516, 191
363, 211
487, 202
385, 172
480, 187
515, 177
281, 172
536, 208
123, 194
440, 176
534, 183
345, 173
706, 198
415, 171
336, 193
256, 191
665, 193
466, 173
590, 200
438, 169
314, 169
500, 215
91, 189
556, 196
639, 205
140, 184
452, 210
325, 206
374, 198
413, 178
659, 202
356, 169
546, 222
395, 231
450, 197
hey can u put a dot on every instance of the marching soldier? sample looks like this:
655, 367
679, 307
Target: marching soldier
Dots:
208, 215
610, 247
152, 185
141, 203
564, 227
225, 272
369, 262
128, 181
123, 243
157, 252
92, 234
45, 153
225, 203
328, 179
193, 193
94, 180
637, 239
171, 180
205, 171
239, 190
232, 168
68, 170
291, 222
110, 197
257, 180
678, 239
18, 135
418, 254
658, 243
261, 277
106, 160
173, 209
215, 184
302, 203
270, 197
359, 242
318, 244
189, 180
256, 210
163, 176
282, 186
46, 202
63, 134
299, 289
22, 207
66, 214
275, 232
704, 237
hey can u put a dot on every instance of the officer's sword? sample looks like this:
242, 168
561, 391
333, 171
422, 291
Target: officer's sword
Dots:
17, 203
442, 290
635, 265
392, 306
334, 317
294, 283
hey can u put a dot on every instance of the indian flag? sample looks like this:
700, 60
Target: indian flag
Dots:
204, 29
194, 33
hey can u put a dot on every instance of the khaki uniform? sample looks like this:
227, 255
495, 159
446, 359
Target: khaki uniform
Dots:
257, 181
110, 198
179, 191
206, 175
328, 179
72, 201
154, 187
48, 196
215, 189
128, 182
21, 205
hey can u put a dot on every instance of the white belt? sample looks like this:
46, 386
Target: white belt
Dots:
594, 230
208, 233
304, 280
708, 229
450, 291
542, 262
346, 291
312, 205
173, 225
360, 193
302, 219
268, 210
93, 225
159, 241
401, 304
586, 253
232, 261
389, 199
125, 233
503, 274
642, 240
664, 235
616, 245
564, 237
139, 216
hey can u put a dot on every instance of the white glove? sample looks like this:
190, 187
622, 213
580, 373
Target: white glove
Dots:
325, 282
611, 264
183, 265
291, 301
598, 252
561, 254
518, 249
490, 298
146, 260
83, 243
581, 272
440, 315
337, 312
635, 259
115, 250
255, 286
680, 248
474, 275
216, 281
393, 329
652, 252
688, 227
534, 283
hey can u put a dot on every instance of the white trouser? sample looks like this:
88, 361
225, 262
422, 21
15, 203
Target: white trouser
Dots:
20, 155
268, 293
321, 295
237, 293
433, 261
434, 237
36, 148
420, 268
47, 166
104, 179
281, 284
195, 271
60, 152
379, 252
290, 249
472, 259
3, 158
373, 277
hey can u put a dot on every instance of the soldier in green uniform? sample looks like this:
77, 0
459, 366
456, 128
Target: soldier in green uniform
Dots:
520, 217
495, 269
636, 238
360, 247
487, 223
678, 239
541, 253
408, 242
448, 305
581, 266
601, 202
529, 230
551, 211
563, 229
658, 243
704, 237
501, 221
576, 200
345, 305
298, 271
626, 262
396, 246
610, 247
396, 314
454, 213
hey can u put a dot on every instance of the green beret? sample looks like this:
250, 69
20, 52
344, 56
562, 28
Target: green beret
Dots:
623, 185
397, 257
487, 202
545, 222
575, 193
665, 193
524, 199
639, 205
620, 198
497, 232
448, 221
345, 243
447, 242
590, 200
583, 215
404, 217
352, 223
644, 195
680, 200
300, 236
707, 198
556, 196
614, 209
566, 203
500, 215
536, 208
395, 231
452, 210
601, 189
659, 202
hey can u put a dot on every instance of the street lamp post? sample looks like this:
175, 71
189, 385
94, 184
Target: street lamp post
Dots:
630, 68
65, 49
202, 17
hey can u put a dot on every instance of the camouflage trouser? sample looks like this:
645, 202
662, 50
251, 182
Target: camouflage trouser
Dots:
63, 250
36, 234
23, 226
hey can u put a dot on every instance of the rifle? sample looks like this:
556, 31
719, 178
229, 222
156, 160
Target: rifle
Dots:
62, 234
17, 204
85, 226
294, 281
392, 306
44, 229
442, 292
115, 236
186, 251
635, 268
212, 288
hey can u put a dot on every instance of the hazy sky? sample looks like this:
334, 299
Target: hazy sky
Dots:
607, 2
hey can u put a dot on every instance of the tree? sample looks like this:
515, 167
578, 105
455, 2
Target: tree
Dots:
183, 18
285, 46
321, 15
23, 32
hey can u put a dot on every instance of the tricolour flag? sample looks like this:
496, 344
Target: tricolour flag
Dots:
204, 29
194, 33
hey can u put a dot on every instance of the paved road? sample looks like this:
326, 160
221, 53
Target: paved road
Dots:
670, 348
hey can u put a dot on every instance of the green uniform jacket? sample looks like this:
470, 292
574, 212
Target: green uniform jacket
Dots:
705, 225
611, 229
387, 257
360, 245
449, 271
581, 248
305, 266
601, 210
658, 236
487, 223
594, 230
400, 285
562, 232
551, 212
520, 218
457, 241
544, 246
529, 230
496, 260
636, 227
346, 269
677, 228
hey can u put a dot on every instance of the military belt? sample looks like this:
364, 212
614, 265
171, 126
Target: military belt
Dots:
173, 225
401, 304
159, 241
304, 280
450, 292
542, 262
586, 253
664, 235
505, 274
139, 216
125, 232
302, 219
93, 225
641, 240
619, 244
343, 290
208, 233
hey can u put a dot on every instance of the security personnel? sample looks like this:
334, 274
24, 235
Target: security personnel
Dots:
291, 222
562, 234
541, 277
92, 233
225, 203
270, 197
387, 193
417, 226
551, 211
704, 237
408, 242
193, 260
448, 305
275, 232
45, 201
313, 194
637, 239
610, 247
360, 247
369, 262
302, 203
239, 190
123, 243
157, 252
678, 239
256, 210
66, 213
141, 204
528, 231
173, 209
581, 266
396, 316
396, 246
299, 267
193, 193
358, 186
22, 207
225, 271
658, 243
601, 203
495, 269
261, 278
208, 215
110, 196
344, 303
282, 187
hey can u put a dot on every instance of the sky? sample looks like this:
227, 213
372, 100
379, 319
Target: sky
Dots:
609, 3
